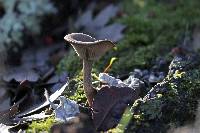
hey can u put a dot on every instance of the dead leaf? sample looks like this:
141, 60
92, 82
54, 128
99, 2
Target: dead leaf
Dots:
42, 59
23, 89
66, 110
109, 105
84, 19
52, 98
112, 31
105, 15
34, 117
20, 74
98, 26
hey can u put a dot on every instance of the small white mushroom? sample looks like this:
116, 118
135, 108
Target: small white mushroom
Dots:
88, 49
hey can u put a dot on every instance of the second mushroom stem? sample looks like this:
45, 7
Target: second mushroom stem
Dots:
87, 81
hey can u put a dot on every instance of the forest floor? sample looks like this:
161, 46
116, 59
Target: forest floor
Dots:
157, 45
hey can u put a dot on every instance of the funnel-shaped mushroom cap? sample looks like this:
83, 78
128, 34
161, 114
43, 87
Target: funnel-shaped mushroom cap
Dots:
87, 47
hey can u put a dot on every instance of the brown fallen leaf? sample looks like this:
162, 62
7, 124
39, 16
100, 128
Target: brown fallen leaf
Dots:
23, 89
109, 105
44, 103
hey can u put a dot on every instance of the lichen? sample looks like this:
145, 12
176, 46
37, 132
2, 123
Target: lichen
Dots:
175, 101
19, 19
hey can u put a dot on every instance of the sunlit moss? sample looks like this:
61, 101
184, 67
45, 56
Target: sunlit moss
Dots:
79, 96
75, 89
41, 126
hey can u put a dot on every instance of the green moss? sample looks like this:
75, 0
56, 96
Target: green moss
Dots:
74, 92
41, 126
153, 28
75, 89
176, 105
79, 96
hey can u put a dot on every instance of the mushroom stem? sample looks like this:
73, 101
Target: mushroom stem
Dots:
87, 81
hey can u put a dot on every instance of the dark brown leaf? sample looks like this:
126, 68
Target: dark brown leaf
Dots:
109, 105
23, 89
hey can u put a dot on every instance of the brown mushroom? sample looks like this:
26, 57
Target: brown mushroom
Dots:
88, 49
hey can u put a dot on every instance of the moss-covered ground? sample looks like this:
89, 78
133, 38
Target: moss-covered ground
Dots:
154, 27
175, 102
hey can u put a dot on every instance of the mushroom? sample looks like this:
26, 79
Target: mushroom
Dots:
88, 49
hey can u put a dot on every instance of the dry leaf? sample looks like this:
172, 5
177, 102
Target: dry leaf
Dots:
52, 98
109, 105
98, 26
20, 74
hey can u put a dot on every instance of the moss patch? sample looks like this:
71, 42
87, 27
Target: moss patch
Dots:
41, 126
174, 102
153, 28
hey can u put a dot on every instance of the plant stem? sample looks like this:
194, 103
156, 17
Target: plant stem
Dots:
87, 81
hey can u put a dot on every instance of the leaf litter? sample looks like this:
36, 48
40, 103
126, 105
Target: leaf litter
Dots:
110, 104
98, 26
65, 110
37, 63
27, 81
112, 99
52, 98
